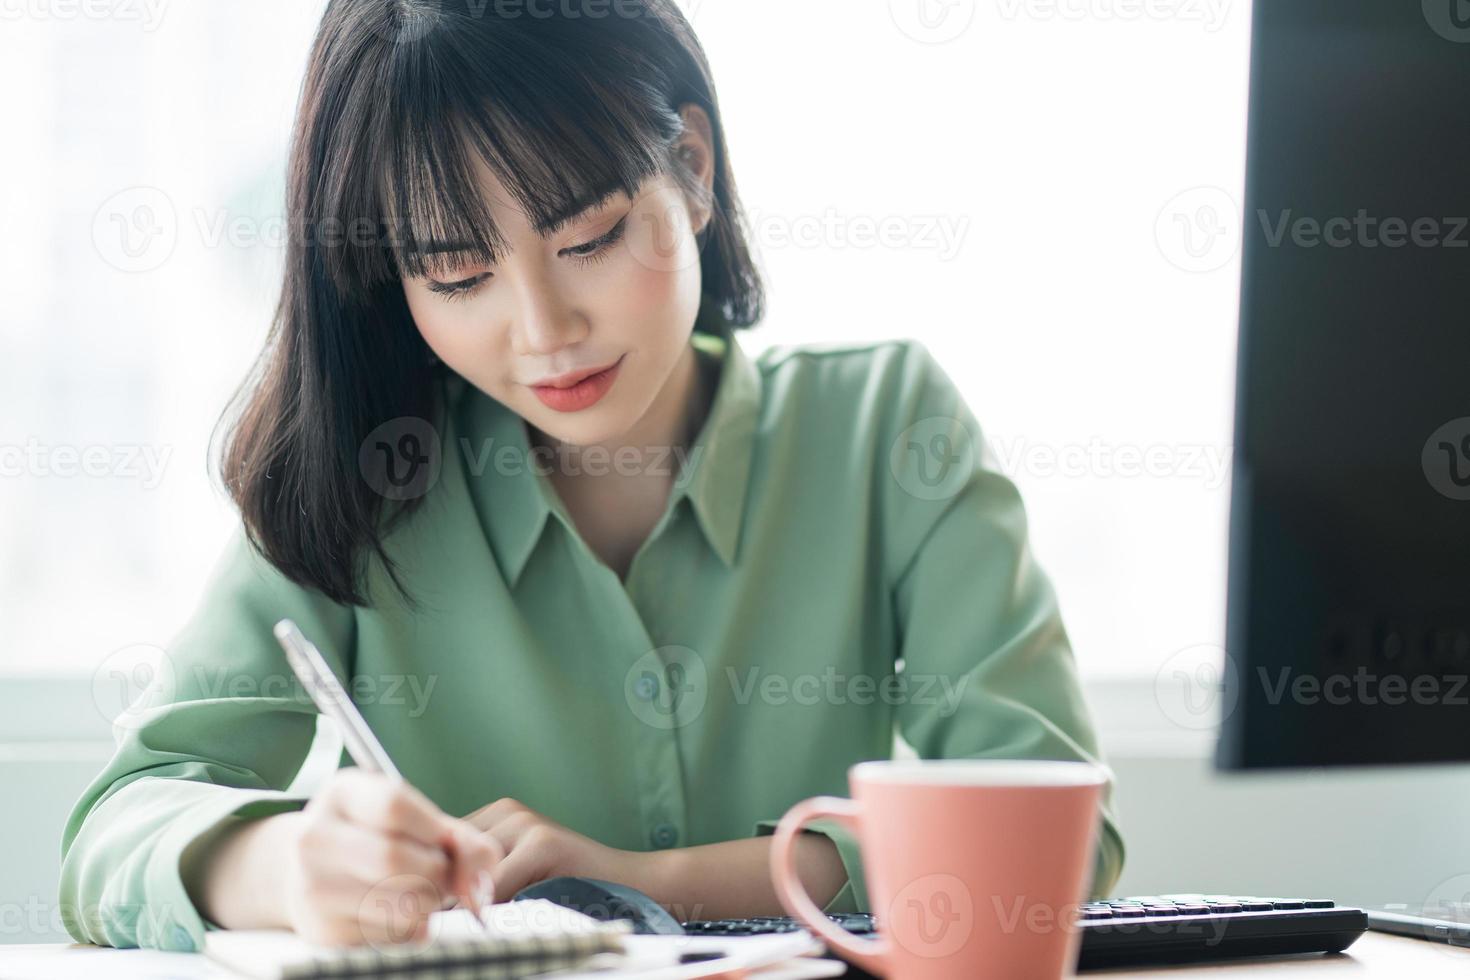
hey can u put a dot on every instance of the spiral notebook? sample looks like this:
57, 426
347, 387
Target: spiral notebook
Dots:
521, 939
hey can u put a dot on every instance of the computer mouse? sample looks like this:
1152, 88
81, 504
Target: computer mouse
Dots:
605, 900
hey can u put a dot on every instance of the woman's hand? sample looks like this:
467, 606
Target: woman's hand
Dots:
374, 858
730, 879
537, 848
367, 861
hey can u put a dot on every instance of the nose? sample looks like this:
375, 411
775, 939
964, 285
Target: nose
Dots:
545, 321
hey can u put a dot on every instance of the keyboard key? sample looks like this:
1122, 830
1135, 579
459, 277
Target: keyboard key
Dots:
1321, 903
1288, 903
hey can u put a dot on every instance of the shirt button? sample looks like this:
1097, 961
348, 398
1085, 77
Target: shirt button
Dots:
182, 941
646, 687
665, 835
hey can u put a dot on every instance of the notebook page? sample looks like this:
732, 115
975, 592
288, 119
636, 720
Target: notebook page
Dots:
454, 934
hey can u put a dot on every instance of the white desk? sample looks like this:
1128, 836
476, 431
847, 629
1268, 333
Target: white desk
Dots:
1375, 955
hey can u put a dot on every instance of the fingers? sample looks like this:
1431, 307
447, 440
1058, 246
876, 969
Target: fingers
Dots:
524, 865
340, 850
398, 910
388, 805
476, 856
377, 858
489, 816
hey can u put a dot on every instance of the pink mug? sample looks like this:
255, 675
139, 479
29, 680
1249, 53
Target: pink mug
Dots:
974, 867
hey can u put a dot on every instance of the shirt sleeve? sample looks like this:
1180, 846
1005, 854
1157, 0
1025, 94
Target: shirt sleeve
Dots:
852, 896
217, 736
988, 667
977, 619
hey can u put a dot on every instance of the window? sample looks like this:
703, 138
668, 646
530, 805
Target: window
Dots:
1043, 191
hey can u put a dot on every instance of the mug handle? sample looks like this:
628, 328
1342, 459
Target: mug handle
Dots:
870, 954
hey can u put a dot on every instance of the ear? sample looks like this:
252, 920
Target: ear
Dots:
696, 151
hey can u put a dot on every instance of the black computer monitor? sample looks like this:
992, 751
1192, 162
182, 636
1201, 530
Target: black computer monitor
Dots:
1348, 623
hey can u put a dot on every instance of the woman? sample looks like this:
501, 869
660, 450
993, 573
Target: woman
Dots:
612, 594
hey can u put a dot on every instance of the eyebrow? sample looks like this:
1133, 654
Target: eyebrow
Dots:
553, 223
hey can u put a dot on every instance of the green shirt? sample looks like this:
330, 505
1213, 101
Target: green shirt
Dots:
840, 558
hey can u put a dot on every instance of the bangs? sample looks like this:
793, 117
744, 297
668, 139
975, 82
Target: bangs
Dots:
479, 90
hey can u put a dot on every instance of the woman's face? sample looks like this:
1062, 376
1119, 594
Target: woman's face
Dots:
615, 291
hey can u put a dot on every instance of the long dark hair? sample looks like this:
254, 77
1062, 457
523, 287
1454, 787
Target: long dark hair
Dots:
565, 102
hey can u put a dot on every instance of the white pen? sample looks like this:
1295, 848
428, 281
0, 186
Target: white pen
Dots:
331, 700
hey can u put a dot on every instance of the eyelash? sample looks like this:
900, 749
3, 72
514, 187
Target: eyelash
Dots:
599, 247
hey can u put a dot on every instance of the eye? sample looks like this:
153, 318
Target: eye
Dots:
597, 249
459, 289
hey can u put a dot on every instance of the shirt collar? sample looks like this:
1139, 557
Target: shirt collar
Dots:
513, 499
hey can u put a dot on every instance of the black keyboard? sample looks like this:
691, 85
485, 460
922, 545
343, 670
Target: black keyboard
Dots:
1144, 929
